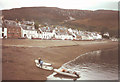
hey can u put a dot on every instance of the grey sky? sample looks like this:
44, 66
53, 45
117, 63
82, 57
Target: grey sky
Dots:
66, 4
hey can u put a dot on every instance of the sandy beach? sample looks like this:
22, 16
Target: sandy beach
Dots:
18, 55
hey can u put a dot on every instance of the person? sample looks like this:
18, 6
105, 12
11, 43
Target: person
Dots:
40, 61
76, 74
67, 71
63, 70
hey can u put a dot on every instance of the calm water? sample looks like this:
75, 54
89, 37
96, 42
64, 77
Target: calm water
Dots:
96, 65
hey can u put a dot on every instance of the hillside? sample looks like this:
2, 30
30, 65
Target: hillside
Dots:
100, 20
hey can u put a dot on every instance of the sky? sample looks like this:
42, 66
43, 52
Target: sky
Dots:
65, 4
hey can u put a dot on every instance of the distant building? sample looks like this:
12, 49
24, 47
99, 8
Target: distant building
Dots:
46, 33
3, 29
13, 29
28, 32
63, 33
30, 23
26, 29
13, 32
106, 35
64, 37
97, 37
3, 32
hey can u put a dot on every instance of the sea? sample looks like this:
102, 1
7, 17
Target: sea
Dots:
95, 65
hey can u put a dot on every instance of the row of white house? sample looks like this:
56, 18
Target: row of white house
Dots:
61, 33
33, 33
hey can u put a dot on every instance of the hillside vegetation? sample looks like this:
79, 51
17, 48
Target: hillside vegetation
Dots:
99, 20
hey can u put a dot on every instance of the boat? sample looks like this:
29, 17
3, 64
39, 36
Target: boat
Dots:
44, 63
46, 66
66, 73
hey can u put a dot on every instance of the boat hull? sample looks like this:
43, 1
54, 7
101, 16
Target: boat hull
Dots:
64, 73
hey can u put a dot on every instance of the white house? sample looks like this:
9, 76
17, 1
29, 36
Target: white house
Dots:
45, 35
97, 37
86, 37
64, 37
28, 23
27, 32
70, 30
3, 32
106, 34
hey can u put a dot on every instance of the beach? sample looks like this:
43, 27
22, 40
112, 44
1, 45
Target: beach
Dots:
18, 55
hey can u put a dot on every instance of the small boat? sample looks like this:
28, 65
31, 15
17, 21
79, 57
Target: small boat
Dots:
66, 73
44, 63
46, 66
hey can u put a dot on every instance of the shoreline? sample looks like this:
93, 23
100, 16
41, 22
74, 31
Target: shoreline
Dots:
46, 43
23, 57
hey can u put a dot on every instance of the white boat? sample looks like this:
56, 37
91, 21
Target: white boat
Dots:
65, 73
46, 66
44, 63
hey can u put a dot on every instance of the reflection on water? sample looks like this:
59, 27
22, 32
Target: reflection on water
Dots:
96, 65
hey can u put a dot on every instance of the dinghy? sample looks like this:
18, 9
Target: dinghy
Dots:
46, 66
66, 73
44, 63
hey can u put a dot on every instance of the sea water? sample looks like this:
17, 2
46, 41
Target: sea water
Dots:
95, 65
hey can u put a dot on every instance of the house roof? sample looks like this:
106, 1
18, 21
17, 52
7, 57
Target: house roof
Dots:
26, 27
10, 23
47, 29
27, 22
